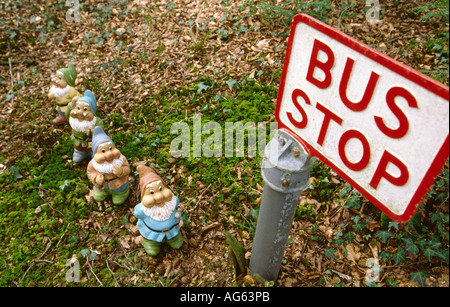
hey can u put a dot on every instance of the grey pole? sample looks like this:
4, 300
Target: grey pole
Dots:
285, 169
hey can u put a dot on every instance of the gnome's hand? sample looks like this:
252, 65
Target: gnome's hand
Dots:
100, 179
74, 101
117, 170
88, 132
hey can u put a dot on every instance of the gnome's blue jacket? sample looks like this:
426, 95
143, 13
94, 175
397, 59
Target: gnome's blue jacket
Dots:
158, 230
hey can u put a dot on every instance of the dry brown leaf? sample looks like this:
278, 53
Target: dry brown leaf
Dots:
353, 253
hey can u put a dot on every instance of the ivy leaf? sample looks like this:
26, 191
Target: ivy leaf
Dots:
155, 142
400, 256
329, 253
436, 217
73, 239
359, 226
422, 243
254, 213
63, 186
393, 224
9, 95
350, 236
419, 277
202, 87
231, 83
14, 173
84, 252
93, 256
410, 246
430, 252
383, 235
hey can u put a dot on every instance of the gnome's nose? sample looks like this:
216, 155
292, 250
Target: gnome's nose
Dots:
109, 155
159, 197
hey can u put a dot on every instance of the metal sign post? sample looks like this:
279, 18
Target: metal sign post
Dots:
378, 123
285, 169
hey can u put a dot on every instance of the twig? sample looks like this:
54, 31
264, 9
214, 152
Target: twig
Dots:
56, 210
425, 22
38, 260
24, 61
46, 249
115, 280
18, 29
446, 199
90, 267
10, 72
11, 103
40, 181
304, 249
42, 260
122, 266
205, 229
62, 235
23, 276
200, 197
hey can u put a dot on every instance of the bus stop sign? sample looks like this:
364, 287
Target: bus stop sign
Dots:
381, 125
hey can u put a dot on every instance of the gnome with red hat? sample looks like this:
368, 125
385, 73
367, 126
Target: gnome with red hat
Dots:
158, 218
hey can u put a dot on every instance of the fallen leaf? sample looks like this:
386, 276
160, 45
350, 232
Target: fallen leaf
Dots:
125, 241
353, 253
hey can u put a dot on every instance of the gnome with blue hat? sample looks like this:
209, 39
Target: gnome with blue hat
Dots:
108, 170
82, 118
63, 92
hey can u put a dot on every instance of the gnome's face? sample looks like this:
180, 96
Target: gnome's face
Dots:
106, 152
156, 194
58, 80
82, 111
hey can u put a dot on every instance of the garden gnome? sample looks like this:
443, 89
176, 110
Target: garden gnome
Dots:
62, 91
82, 118
108, 170
158, 218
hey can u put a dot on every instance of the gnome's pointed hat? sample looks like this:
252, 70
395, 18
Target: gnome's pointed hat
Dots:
70, 74
90, 99
98, 137
146, 175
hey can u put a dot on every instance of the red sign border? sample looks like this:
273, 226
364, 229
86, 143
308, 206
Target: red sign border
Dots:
393, 65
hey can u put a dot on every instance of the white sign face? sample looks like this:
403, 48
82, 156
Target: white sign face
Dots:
381, 125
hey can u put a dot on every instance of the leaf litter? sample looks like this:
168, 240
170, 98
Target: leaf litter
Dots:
131, 50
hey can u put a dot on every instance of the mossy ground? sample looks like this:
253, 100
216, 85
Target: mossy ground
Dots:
152, 64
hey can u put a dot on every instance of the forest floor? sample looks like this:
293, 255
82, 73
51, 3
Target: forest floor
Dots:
154, 63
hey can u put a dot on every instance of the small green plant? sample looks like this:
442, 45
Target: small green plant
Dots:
317, 9
322, 188
437, 9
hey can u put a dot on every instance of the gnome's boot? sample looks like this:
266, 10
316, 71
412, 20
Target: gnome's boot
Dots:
151, 247
59, 120
176, 241
99, 194
119, 198
80, 156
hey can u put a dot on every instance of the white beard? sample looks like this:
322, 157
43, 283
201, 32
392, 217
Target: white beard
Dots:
83, 125
161, 213
105, 167
59, 92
